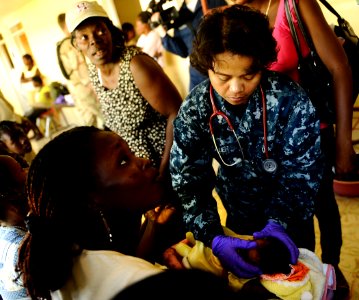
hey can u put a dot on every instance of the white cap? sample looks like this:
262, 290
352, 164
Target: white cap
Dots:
81, 11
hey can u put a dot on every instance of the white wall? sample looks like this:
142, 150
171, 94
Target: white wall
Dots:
39, 20
348, 9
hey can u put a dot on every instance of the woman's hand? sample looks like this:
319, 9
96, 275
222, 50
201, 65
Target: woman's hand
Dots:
226, 249
160, 214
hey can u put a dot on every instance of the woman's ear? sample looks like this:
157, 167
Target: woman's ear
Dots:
73, 42
76, 46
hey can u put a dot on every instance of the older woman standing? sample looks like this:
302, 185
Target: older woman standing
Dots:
138, 100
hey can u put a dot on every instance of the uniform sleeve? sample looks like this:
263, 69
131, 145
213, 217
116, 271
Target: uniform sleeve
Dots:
193, 176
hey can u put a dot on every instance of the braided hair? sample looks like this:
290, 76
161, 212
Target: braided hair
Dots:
62, 220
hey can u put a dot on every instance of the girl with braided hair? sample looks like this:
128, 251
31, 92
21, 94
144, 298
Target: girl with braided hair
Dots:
87, 192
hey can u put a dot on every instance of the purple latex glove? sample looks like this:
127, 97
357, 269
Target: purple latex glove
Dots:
226, 249
275, 230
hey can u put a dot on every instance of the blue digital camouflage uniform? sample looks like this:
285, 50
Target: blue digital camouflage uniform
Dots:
250, 195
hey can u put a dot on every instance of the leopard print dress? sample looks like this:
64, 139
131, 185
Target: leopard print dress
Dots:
128, 113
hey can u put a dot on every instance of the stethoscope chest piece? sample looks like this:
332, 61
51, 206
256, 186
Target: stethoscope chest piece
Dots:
270, 165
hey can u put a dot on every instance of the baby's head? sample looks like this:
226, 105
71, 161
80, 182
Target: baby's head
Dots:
271, 256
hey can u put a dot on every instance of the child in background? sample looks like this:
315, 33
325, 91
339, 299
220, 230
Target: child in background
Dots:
13, 209
7, 112
130, 34
149, 40
43, 96
30, 70
15, 139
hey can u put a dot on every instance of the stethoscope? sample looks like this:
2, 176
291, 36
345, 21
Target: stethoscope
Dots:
269, 164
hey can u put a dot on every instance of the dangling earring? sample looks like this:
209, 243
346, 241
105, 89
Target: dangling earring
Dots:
106, 226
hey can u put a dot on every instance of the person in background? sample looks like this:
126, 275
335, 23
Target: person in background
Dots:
29, 72
41, 103
16, 140
130, 34
43, 97
83, 232
30, 69
4, 150
337, 146
180, 43
263, 131
7, 113
138, 100
149, 40
13, 210
74, 68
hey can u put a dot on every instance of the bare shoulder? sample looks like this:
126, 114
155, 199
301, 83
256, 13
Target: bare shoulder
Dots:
142, 64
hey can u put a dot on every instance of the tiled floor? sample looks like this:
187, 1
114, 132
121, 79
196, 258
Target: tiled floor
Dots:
349, 210
349, 264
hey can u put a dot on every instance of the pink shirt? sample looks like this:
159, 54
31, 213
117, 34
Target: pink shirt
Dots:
287, 59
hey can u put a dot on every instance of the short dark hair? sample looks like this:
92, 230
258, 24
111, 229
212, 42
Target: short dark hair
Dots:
37, 79
144, 17
11, 128
28, 57
237, 29
270, 255
127, 27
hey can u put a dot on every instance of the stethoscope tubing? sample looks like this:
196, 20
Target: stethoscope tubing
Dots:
269, 165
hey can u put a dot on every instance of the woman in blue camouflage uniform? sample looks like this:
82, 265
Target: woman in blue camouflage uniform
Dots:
270, 164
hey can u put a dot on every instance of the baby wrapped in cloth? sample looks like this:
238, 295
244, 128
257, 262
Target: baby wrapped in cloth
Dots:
308, 279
